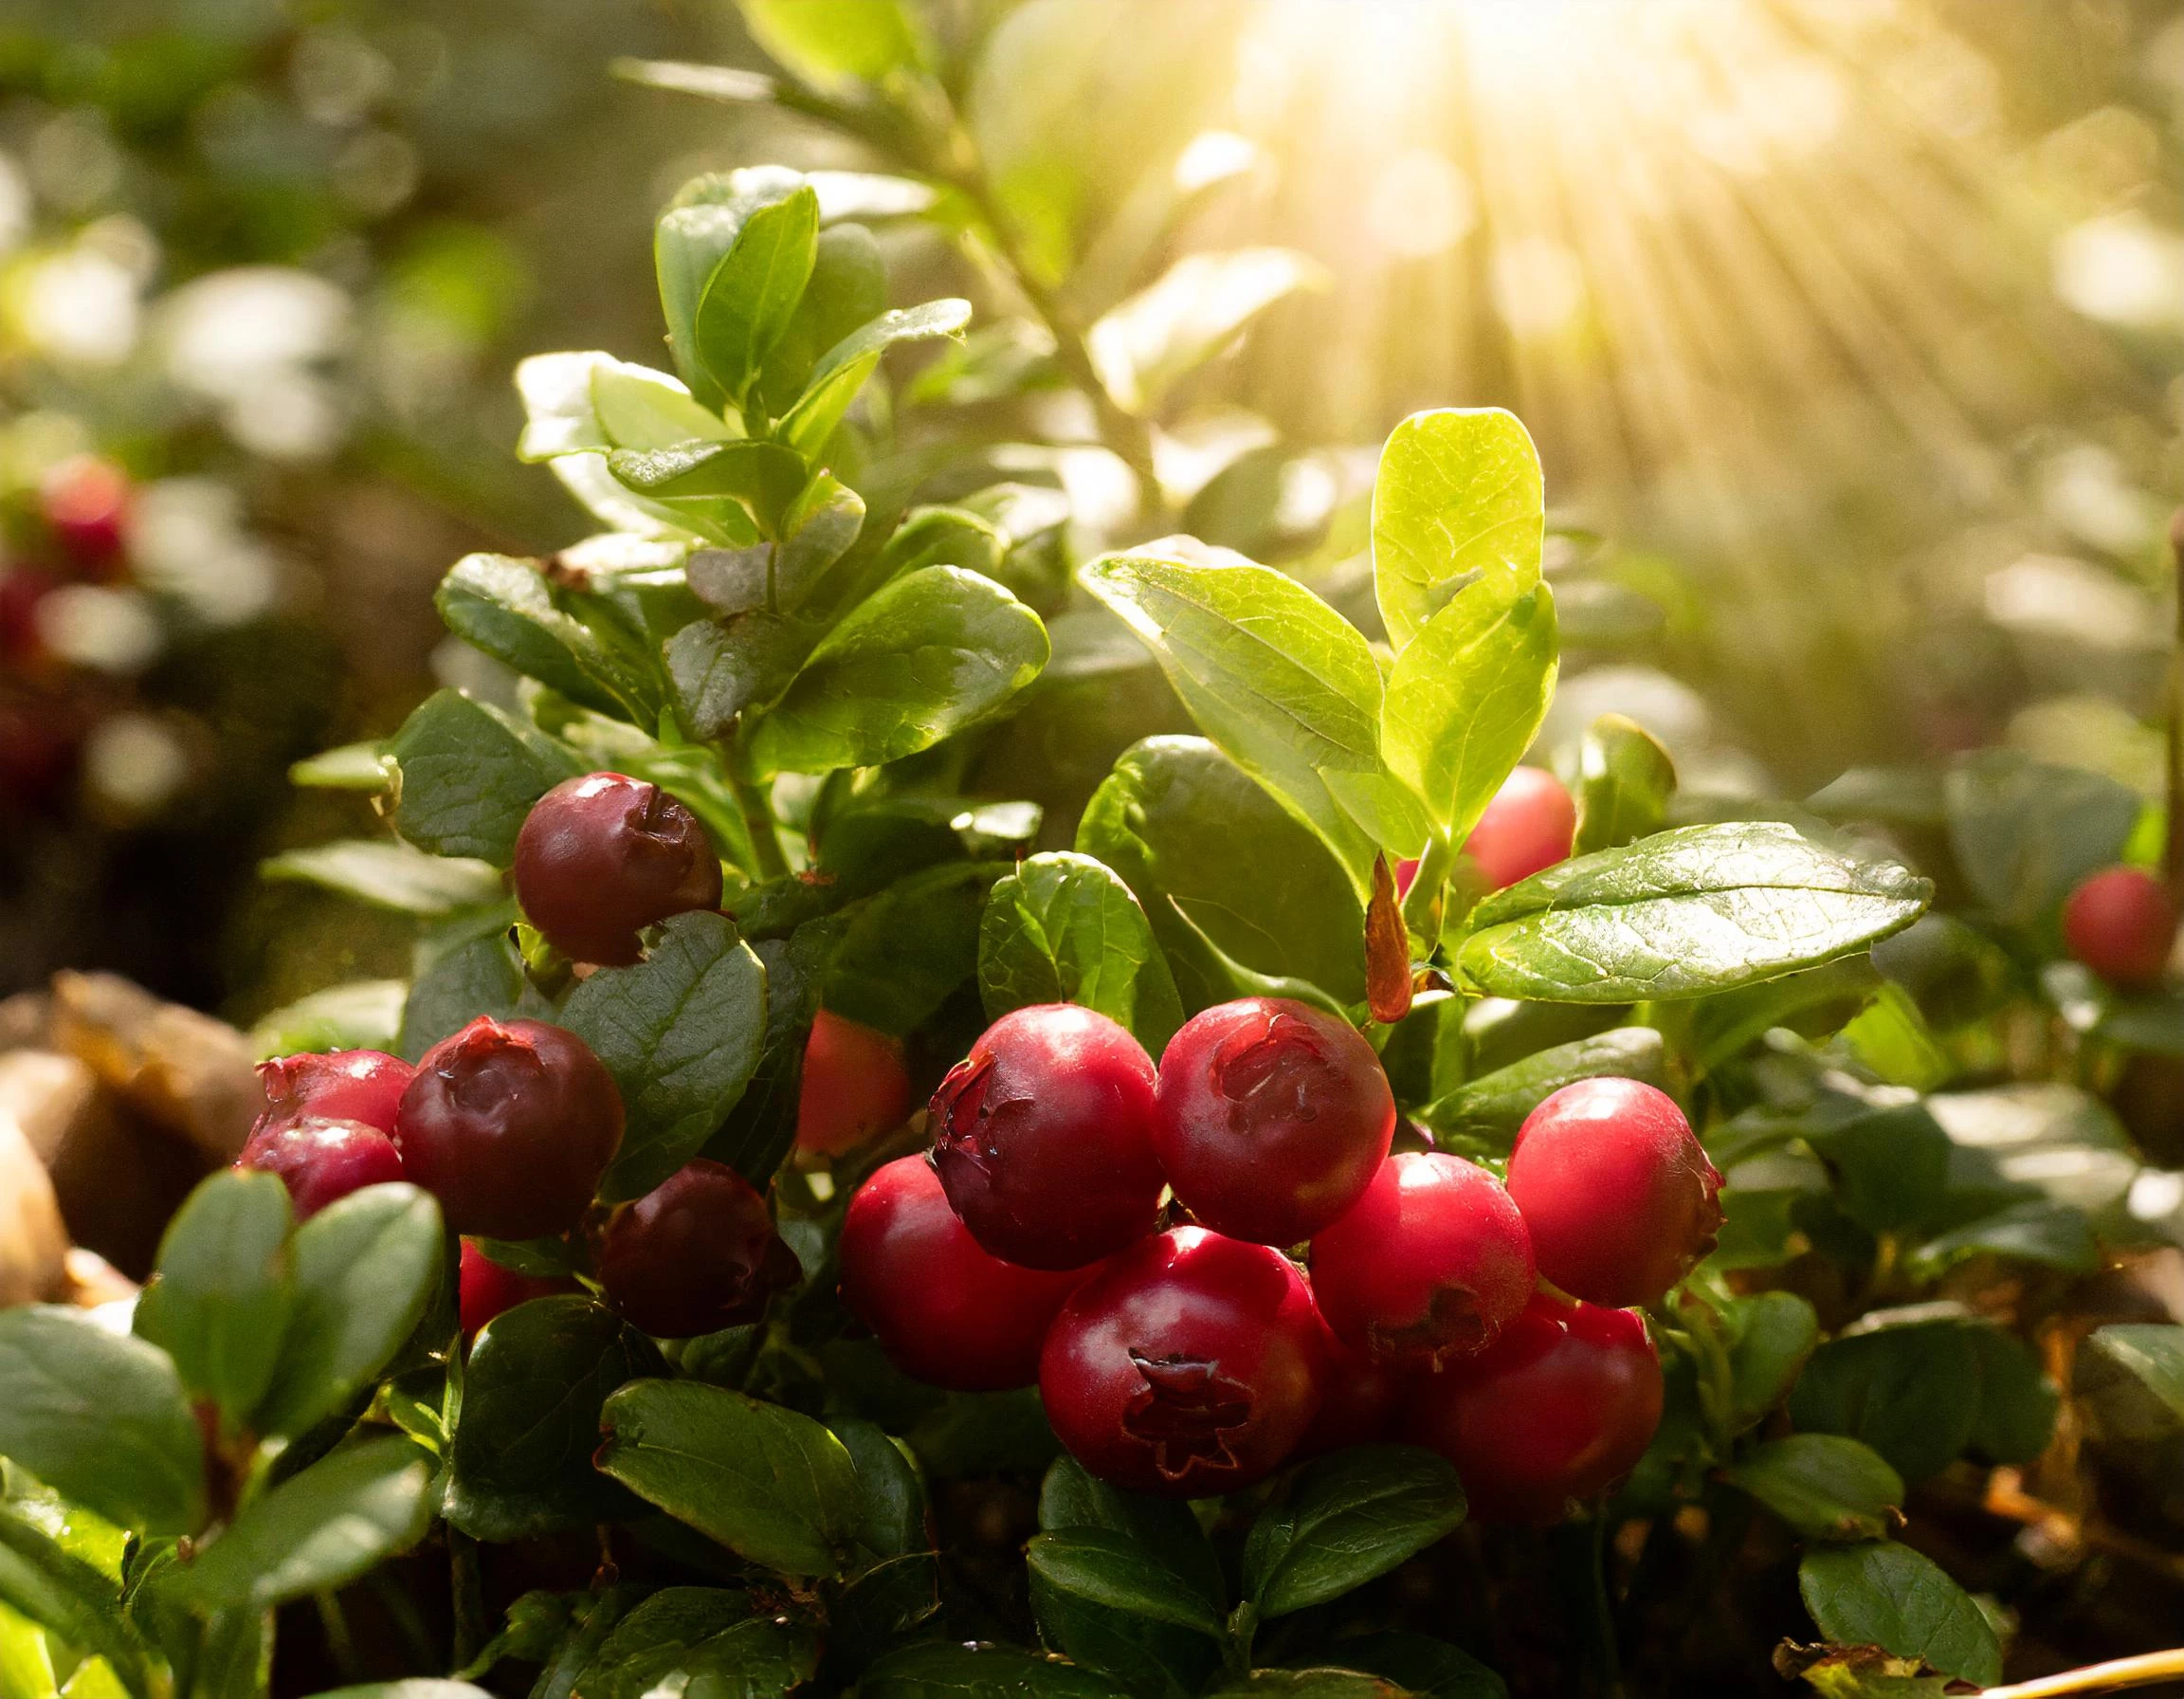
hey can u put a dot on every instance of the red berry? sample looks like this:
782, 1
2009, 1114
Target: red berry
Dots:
1191, 1364
1617, 1193
319, 1159
1361, 1399
342, 1085
1434, 1261
943, 1311
1042, 1136
21, 591
2121, 924
1405, 875
510, 1124
1529, 825
86, 504
485, 1288
697, 1253
854, 1086
1555, 1411
602, 857
1270, 1118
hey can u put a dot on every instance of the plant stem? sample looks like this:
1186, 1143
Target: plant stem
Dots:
758, 822
468, 1586
2098, 1678
1579, 1552
340, 1645
2173, 829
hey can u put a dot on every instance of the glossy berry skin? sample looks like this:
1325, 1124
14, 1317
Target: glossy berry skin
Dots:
340, 1085
1530, 825
1619, 1197
1431, 1262
1042, 1138
943, 1311
320, 1160
1555, 1412
485, 1288
1361, 1399
1190, 1364
1270, 1118
854, 1086
2121, 924
602, 857
510, 1124
697, 1253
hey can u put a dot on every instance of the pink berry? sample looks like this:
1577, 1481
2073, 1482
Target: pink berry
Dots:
854, 1086
1530, 825
320, 1159
2121, 924
340, 1085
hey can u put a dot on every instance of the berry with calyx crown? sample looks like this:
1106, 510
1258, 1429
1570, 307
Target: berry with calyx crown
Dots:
602, 857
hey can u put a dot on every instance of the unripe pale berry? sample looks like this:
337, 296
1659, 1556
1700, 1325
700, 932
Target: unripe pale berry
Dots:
1270, 1118
319, 1159
1433, 1262
944, 1311
339, 1085
2121, 924
1616, 1191
697, 1253
602, 857
1530, 825
510, 1124
1042, 1138
486, 1290
854, 1086
1554, 1413
1189, 1364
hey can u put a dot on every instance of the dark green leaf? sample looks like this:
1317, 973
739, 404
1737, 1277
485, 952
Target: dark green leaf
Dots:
390, 875
1110, 1570
1775, 1335
1890, 1164
949, 1670
1348, 1518
1493, 1107
900, 1586
779, 577
478, 974
1885, 1595
470, 775
1824, 1485
2025, 831
2035, 1231
219, 1301
761, 1128
753, 292
1316, 1681
1624, 779
1062, 928
909, 947
2131, 1376
700, 1640
505, 608
1910, 1391
720, 667
1421, 1665
843, 369
2018, 1404
1813, 1003
1459, 491
61, 1592
414, 1687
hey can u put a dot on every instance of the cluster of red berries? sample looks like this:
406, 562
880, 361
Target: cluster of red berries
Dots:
1026, 1246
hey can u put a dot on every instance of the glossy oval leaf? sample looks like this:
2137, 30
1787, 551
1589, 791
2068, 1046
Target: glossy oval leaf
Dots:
843, 368
1063, 928
54, 1588
1624, 779
753, 292
1885, 1595
219, 1302
1825, 1486
390, 875
1348, 1518
470, 775
1459, 491
1491, 1107
946, 1670
1112, 1570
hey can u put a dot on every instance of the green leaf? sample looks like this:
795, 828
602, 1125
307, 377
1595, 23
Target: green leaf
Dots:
2024, 832
702, 1640
39, 1578
25, 1659
1421, 1665
1824, 1485
470, 775
590, 403
1910, 1389
2035, 1231
414, 1687
721, 667
941, 1669
316, 1532
1885, 1595
680, 1032
477, 975
900, 1586
1063, 928
1891, 1039
1466, 698
779, 577
775, 1486
761, 1129
848, 288
390, 875
1624, 779
366, 1267
532, 1388
1698, 909
1315, 1681
843, 369
761, 479
689, 240
930, 653
100, 1419
1774, 1336
1459, 491
1890, 1164
219, 1301
906, 950
505, 608
2130, 1377
351, 767
1114, 1572
1491, 1107
1348, 1518
753, 292
364, 1015
1147, 344
825, 42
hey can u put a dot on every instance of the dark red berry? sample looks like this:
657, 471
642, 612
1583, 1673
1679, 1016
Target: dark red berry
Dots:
1191, 1364
319, 1159
697, 1253
485, 1288
86, 502
1270, 1118
854, 1086
1554, 1413
1361, 1399
1529, 825
342, 1085
1434, 1261
2121, 924
21, 592
1617, 1193
943, 1311
1042, 1136
510, 1124
602, 857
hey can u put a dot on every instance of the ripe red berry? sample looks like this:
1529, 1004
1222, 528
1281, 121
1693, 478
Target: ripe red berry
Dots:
1616, 1191
342, 1085
602, 857
510, 1124
2121, 924
85, 500
697, 1253
943, 1311
1042, 1136
1434, 1261
854, 1086
1190, 1364
1555, 1412
319, 1159
485, 1288
1361, 1399
1529, 825
1270, 1118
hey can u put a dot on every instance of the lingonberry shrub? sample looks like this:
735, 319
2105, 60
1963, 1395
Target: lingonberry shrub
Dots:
485, 1288
343, 1086
1270, 1118
1042, 1138
602, 857
320, 1157
1527, 828
2121, 924
1618, 1195
854, 1086
697, 1253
